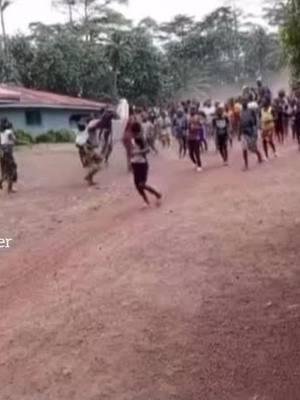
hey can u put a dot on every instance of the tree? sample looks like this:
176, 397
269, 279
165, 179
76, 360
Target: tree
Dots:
262, 52
141, 74
4, 4
290, 33
66, 4
116, 50
275, 12
101, 54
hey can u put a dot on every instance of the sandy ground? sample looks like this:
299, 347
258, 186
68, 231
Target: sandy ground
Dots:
198, 299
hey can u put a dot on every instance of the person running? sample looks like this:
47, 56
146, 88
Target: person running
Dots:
9, 167
278, 110
221, 127
80, 142
106, 133
194, 132
248, 134
180, 125
203, 132
149, 133
165, 128
267, 128
139, 164
127, 137
227, 114
209, 111
263, 92
283, 101
236, 116
93, 154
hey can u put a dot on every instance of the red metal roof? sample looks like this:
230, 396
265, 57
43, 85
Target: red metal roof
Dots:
20, 97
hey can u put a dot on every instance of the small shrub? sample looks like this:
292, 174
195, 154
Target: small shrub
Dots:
62, 136
24, 138
44, 138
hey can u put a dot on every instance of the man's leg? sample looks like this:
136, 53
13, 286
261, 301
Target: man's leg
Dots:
272, 145
225, 151
259, 156
245, 157
265, 147
197, 153
281, 134
140, 177
180, 143
152, 191
184, 140
191, 151
298, 135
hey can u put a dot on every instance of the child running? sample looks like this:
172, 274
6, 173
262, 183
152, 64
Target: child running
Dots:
139, 164
180, 124
221, 131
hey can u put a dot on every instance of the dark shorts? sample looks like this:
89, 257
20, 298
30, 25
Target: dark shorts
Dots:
140, 173
222, 141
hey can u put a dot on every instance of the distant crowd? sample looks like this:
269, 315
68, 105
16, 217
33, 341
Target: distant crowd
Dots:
256, 115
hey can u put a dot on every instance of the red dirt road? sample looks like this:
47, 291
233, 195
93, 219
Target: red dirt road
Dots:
199, 299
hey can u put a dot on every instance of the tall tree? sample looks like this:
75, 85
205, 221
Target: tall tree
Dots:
291, 35
4, 4
275, 12
68, 5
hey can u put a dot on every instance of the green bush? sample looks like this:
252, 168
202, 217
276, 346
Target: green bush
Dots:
61, 136
24, 138
44, 138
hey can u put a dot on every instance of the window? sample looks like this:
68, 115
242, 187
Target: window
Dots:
33, 118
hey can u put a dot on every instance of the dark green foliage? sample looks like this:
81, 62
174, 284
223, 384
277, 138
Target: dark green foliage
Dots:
24, 138
62, 136
290, 33
100, 54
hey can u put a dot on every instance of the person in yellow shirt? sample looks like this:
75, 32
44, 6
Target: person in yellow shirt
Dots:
267, 128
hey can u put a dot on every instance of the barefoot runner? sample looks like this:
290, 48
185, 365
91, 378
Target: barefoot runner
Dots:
139, 164
194, 133
221, 128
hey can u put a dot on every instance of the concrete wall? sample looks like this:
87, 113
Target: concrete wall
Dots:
51, 119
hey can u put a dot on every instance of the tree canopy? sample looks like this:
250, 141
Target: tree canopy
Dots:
99, 53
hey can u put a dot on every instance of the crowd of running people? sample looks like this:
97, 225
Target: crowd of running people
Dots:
253, 116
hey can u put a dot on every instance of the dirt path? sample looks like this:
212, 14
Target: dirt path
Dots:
198, 299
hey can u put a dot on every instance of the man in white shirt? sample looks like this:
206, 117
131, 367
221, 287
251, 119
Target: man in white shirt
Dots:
209, 111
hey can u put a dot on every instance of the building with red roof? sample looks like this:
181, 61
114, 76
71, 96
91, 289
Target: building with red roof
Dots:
37, 112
